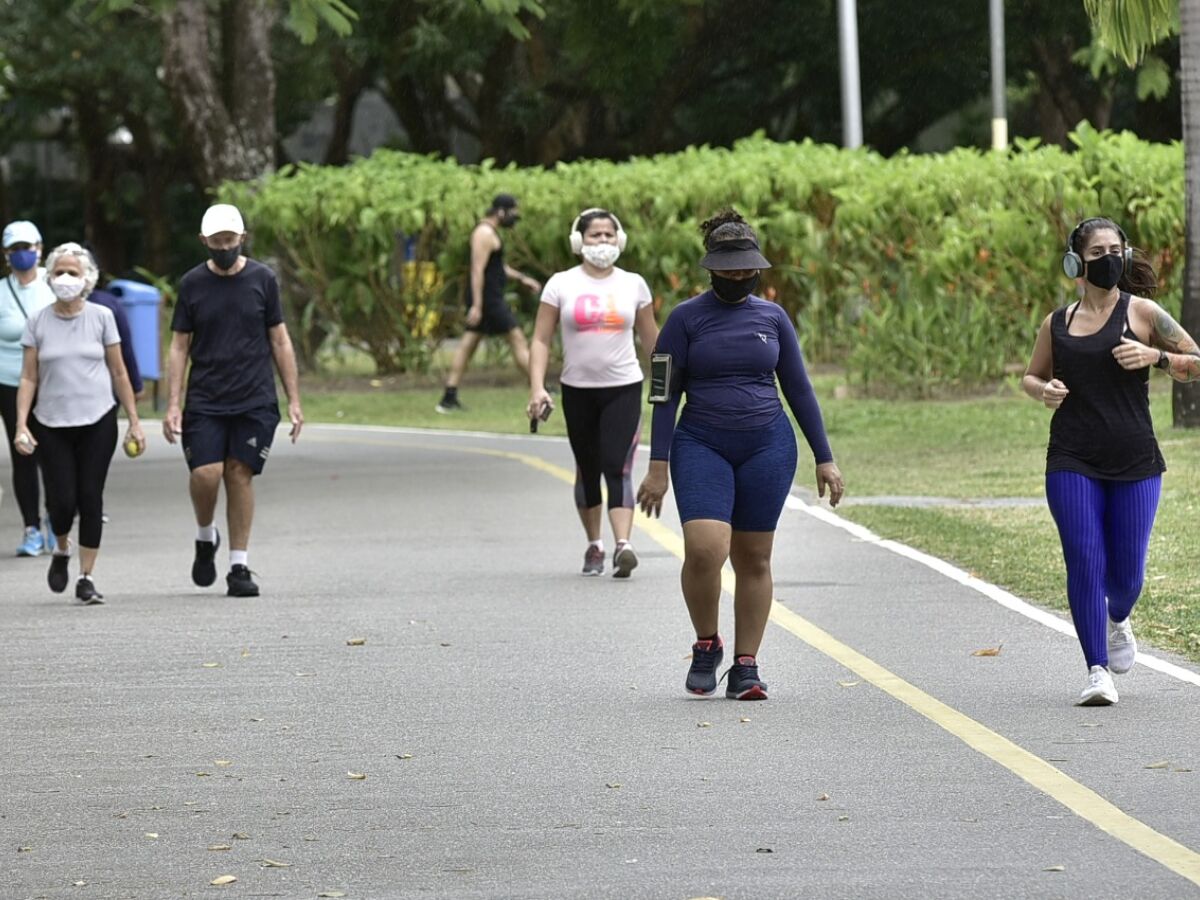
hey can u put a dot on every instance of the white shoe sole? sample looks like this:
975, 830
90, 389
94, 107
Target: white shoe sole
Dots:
1098, 698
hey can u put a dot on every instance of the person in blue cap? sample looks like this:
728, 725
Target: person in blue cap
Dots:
25, 292
732, 455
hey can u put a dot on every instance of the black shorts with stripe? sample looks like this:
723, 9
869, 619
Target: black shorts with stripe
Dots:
211, 438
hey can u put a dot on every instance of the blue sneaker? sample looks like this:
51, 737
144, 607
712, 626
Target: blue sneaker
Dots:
706, 657
744, 683
33, 544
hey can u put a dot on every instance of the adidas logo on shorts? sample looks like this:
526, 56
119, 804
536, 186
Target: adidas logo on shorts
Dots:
253, 442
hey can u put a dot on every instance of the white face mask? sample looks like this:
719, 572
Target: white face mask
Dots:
67, 287
602, 256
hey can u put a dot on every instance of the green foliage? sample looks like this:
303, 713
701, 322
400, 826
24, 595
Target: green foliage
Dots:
925, 273
1130, 27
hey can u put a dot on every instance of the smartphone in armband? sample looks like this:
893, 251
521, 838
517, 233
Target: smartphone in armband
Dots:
660, 378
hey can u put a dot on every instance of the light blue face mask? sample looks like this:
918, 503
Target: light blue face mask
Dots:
23, 260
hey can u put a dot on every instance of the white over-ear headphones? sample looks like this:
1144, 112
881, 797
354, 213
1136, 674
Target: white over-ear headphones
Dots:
576, 236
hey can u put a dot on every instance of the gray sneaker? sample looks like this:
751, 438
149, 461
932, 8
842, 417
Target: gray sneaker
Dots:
1122, 647
593, 561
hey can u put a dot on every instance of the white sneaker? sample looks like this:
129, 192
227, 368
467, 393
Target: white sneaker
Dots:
1100, 690
1122, 647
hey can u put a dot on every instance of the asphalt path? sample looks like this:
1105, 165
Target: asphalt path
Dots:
523, 731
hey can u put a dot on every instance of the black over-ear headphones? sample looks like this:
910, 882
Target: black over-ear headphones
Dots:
1072, 262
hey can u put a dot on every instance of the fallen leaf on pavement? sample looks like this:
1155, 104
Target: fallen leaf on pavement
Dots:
744, 719
224, 879
152, 835
356, 776
1158, 765
210, 665
275, 864
822, 798
843, 818
332, 894
78, 884
356, 642
613, 784
989, 651
222, 762
241, 836
219, 847
704, 724
848, 683
404, 756
1055, 869
764, 850
204, 774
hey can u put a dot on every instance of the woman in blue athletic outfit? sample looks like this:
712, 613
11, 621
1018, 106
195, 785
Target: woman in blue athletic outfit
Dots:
1091, 365
732, 456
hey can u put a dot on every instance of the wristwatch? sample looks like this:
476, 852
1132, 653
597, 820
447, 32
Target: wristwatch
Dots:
1164, 361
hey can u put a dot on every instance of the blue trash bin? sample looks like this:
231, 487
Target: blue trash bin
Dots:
141, 302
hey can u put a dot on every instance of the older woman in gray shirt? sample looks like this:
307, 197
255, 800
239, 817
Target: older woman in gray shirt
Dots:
73, 366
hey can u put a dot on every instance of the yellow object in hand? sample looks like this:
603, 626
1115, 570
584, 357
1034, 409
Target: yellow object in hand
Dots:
132, 448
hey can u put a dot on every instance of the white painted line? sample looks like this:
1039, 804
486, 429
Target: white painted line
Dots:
991, 591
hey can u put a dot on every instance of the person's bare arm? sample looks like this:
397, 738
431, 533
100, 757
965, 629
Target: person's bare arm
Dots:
177, 356
123, 388
517, 275
1039, 381
285, 361
646, 327
26, 390
1180, 347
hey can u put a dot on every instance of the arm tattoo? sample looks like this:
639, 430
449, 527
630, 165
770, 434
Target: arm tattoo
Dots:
1185, 365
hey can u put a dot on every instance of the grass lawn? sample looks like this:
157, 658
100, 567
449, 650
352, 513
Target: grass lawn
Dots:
990, 447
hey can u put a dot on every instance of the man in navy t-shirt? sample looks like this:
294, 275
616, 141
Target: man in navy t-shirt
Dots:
229, 321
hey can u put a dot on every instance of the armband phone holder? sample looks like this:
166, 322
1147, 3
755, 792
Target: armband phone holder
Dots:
660, 378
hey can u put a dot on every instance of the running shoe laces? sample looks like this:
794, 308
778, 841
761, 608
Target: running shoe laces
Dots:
706, 658
743, 682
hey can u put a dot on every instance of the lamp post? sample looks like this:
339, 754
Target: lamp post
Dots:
999, 115
848, 56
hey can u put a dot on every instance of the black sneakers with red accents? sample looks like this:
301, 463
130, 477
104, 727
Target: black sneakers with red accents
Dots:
743, 682
706, 657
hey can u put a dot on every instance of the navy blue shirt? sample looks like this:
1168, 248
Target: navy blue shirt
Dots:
229, 318
726, 357
104, 298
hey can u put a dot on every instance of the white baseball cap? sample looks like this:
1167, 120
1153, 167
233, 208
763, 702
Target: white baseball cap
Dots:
21, 232
222, 217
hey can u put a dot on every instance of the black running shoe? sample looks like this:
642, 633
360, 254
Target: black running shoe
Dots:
706, 657
449, 405
240, 583
57, 577
743, 681
204, 566
86, 593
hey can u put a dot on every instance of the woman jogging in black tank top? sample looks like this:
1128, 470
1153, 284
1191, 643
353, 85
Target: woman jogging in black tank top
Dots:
1090, 365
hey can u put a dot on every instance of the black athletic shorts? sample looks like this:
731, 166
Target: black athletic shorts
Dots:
212, 438
497, 318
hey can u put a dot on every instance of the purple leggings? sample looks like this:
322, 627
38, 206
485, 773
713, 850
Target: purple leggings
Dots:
1105, 531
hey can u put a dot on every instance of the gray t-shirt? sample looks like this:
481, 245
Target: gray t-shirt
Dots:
74, 384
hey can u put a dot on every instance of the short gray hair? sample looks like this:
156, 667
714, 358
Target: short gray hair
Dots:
91, 272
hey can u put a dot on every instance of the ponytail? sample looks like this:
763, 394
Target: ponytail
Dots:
1139, 279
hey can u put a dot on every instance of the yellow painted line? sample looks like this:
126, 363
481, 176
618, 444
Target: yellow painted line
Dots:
1081, 800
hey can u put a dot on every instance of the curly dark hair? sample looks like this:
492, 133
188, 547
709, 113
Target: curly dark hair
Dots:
726, 225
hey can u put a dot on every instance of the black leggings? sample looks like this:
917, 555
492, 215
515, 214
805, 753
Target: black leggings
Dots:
75, 466
24, 468
603, 425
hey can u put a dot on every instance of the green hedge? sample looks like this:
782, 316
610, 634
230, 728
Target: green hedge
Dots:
921, 273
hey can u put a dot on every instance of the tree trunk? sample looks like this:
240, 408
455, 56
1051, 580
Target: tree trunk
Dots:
99, 230
234, 140
1186, 397
352, 79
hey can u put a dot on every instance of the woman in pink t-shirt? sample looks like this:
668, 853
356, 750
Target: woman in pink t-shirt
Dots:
598, 306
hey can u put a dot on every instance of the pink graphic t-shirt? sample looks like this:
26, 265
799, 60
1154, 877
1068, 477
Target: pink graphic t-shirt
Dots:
596, 315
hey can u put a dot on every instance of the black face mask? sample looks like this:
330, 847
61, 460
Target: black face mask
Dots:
730, 291
1105, 271
225, 259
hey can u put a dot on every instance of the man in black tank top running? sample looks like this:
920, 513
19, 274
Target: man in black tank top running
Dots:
1091, 365
488, 312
